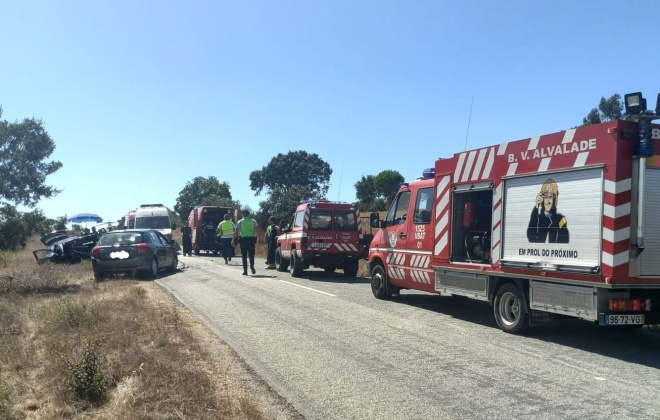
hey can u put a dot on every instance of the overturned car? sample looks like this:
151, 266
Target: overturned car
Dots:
63, 248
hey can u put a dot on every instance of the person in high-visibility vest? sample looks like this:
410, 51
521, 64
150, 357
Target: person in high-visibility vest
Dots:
225, 232
247, 238
271, 243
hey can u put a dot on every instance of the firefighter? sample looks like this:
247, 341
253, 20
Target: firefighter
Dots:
245, 232
545, 223
225, 232
271, 242
186, 237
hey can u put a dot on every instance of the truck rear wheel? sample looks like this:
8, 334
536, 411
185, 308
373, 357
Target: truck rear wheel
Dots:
351, 268
296, 265
280, 263
379, 283
510, 309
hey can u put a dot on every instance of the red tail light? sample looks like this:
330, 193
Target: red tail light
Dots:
624, 305
95, 251
142, 248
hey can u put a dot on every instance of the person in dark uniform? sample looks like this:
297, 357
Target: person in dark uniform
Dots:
271, 242
545, 223
186, 236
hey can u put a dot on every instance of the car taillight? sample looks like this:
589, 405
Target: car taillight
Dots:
624, 305
142, 248
95, 251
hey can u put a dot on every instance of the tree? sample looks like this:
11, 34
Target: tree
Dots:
288, 179
608, 110
24, 147
281, 205
295, 169
374, 193
16, 227
199, 191
387, 184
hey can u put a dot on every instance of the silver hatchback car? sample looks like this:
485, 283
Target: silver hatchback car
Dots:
144, 251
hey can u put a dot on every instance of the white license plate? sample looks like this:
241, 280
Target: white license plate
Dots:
624, 319
320, 245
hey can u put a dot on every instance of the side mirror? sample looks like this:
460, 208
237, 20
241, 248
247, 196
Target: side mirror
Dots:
374, 222
173, 226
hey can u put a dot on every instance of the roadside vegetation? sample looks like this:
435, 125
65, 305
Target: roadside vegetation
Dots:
74, 348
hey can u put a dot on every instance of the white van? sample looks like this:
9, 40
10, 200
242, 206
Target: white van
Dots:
154, 216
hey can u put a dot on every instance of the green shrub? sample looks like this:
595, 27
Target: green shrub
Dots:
85, 376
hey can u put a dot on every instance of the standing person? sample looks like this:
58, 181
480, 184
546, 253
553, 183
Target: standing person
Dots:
186, 236
271, 242
225, 232
245, 229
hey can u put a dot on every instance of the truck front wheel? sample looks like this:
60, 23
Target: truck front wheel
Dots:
510, 309
379, 283
280, 263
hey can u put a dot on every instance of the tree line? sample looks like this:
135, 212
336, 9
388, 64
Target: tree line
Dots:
25, 148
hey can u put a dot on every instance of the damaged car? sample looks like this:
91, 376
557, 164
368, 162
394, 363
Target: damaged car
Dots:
62, 248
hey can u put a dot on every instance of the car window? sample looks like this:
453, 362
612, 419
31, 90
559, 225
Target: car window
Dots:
344, 220
298, 221
321, 220
155, 239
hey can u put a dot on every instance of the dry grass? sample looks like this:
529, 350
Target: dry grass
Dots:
73, 348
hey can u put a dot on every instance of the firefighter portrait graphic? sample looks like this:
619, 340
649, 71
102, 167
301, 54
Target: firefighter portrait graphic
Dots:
545, 223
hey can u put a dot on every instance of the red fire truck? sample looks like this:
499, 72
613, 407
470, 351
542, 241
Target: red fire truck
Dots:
563, 224
203, 220
324, 234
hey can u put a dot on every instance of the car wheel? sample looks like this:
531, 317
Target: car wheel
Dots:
99, 276
379, 283
351, 268
175, 263
296, 265
152, 271
281, 264
509, 309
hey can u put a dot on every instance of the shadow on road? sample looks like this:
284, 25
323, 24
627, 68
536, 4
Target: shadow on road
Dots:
639, 347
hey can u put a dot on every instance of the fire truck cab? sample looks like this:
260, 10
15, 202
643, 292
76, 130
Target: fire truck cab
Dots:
558, 225
324, 234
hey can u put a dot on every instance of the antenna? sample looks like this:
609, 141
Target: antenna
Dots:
468, 128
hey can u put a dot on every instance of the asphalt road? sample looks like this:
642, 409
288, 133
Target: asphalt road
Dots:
333, 351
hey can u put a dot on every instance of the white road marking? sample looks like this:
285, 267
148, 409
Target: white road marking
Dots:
308, 288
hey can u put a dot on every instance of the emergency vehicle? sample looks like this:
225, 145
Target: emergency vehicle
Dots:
203, 220
129, 220
564, 224
324, 234
154, 216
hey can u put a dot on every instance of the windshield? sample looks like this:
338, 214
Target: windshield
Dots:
122, 238
152, 222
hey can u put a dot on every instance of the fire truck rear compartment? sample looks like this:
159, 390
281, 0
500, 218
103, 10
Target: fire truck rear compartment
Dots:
589, 303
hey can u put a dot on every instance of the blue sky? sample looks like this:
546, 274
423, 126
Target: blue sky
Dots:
141, 97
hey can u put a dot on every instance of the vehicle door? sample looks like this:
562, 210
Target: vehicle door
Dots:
161, 248
397, 236
420, 240
292, 234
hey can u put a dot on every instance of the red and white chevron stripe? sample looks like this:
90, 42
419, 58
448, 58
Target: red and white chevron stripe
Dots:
345, 247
